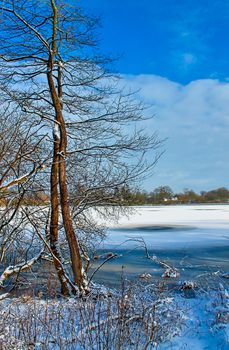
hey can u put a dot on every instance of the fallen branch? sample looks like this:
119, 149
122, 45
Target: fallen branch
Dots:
170, 272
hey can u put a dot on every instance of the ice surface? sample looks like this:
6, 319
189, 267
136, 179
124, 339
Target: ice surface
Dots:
173, 226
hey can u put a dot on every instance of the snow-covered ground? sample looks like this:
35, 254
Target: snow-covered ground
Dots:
193, 239
202, 216
134, 320
205, 324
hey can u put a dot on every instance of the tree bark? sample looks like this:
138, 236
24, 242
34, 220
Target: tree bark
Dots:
55, 215
56, 95
77, 268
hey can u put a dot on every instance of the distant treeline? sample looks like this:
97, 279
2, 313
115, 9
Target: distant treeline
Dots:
165, 195
160, 195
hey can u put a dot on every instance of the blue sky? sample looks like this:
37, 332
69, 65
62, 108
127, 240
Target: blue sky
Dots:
177, 53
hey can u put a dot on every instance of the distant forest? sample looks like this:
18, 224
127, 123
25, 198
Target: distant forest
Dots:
160, 195
165, 195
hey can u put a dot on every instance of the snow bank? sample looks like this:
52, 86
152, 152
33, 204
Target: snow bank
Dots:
139, 318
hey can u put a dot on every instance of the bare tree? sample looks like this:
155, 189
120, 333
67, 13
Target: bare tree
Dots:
50, 71
22, 162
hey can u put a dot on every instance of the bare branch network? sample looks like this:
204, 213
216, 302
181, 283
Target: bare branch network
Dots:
63, 112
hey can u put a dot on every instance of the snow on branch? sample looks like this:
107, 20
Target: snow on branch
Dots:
23, 178
16, 269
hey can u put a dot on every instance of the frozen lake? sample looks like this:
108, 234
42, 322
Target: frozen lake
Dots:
192, 238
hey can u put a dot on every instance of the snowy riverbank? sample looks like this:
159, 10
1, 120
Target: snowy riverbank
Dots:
138, 314
135, 319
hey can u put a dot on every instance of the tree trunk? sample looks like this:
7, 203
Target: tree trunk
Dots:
77, 268
56, 95
55, 215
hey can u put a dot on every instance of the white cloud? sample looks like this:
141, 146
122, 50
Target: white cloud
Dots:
201, 102
195, 118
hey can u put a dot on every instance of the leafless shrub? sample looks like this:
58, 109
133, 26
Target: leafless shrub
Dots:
131, 319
